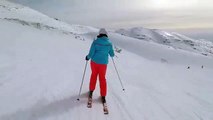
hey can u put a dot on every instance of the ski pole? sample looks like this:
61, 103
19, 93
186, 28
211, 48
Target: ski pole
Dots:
82, 81
118, 74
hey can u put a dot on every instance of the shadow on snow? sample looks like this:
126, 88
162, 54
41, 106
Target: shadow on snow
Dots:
46, 110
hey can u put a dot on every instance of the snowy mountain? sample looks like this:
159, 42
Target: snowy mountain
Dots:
26, 16
172, 39
42, 62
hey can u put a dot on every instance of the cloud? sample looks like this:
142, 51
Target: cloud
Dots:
128, 13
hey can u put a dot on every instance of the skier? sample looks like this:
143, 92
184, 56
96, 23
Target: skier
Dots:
100, 49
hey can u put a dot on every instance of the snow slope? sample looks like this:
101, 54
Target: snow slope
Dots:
26, 16
171, 39
41, 71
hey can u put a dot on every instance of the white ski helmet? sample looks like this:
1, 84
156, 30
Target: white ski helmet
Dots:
103, 31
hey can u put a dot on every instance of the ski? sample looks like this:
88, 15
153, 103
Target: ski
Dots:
89, 103
105, 109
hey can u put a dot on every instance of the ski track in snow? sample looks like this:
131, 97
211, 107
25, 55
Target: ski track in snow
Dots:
38, 111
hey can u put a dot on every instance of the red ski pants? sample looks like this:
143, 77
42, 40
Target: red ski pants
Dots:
98, 70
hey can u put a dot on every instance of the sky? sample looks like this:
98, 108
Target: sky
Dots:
162, 14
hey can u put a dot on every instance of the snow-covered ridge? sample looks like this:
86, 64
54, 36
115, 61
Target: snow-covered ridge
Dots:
26, 16
173, 39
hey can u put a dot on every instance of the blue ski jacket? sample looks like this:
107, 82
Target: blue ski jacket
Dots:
100, 49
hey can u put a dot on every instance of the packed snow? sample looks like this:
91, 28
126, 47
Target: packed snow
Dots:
41, 68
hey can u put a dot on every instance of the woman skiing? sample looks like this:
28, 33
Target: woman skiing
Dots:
100, 49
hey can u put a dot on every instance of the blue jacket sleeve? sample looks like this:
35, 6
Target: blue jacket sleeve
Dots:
111, 51
92, 51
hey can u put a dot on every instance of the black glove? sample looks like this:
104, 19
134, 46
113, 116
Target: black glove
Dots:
86, 58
